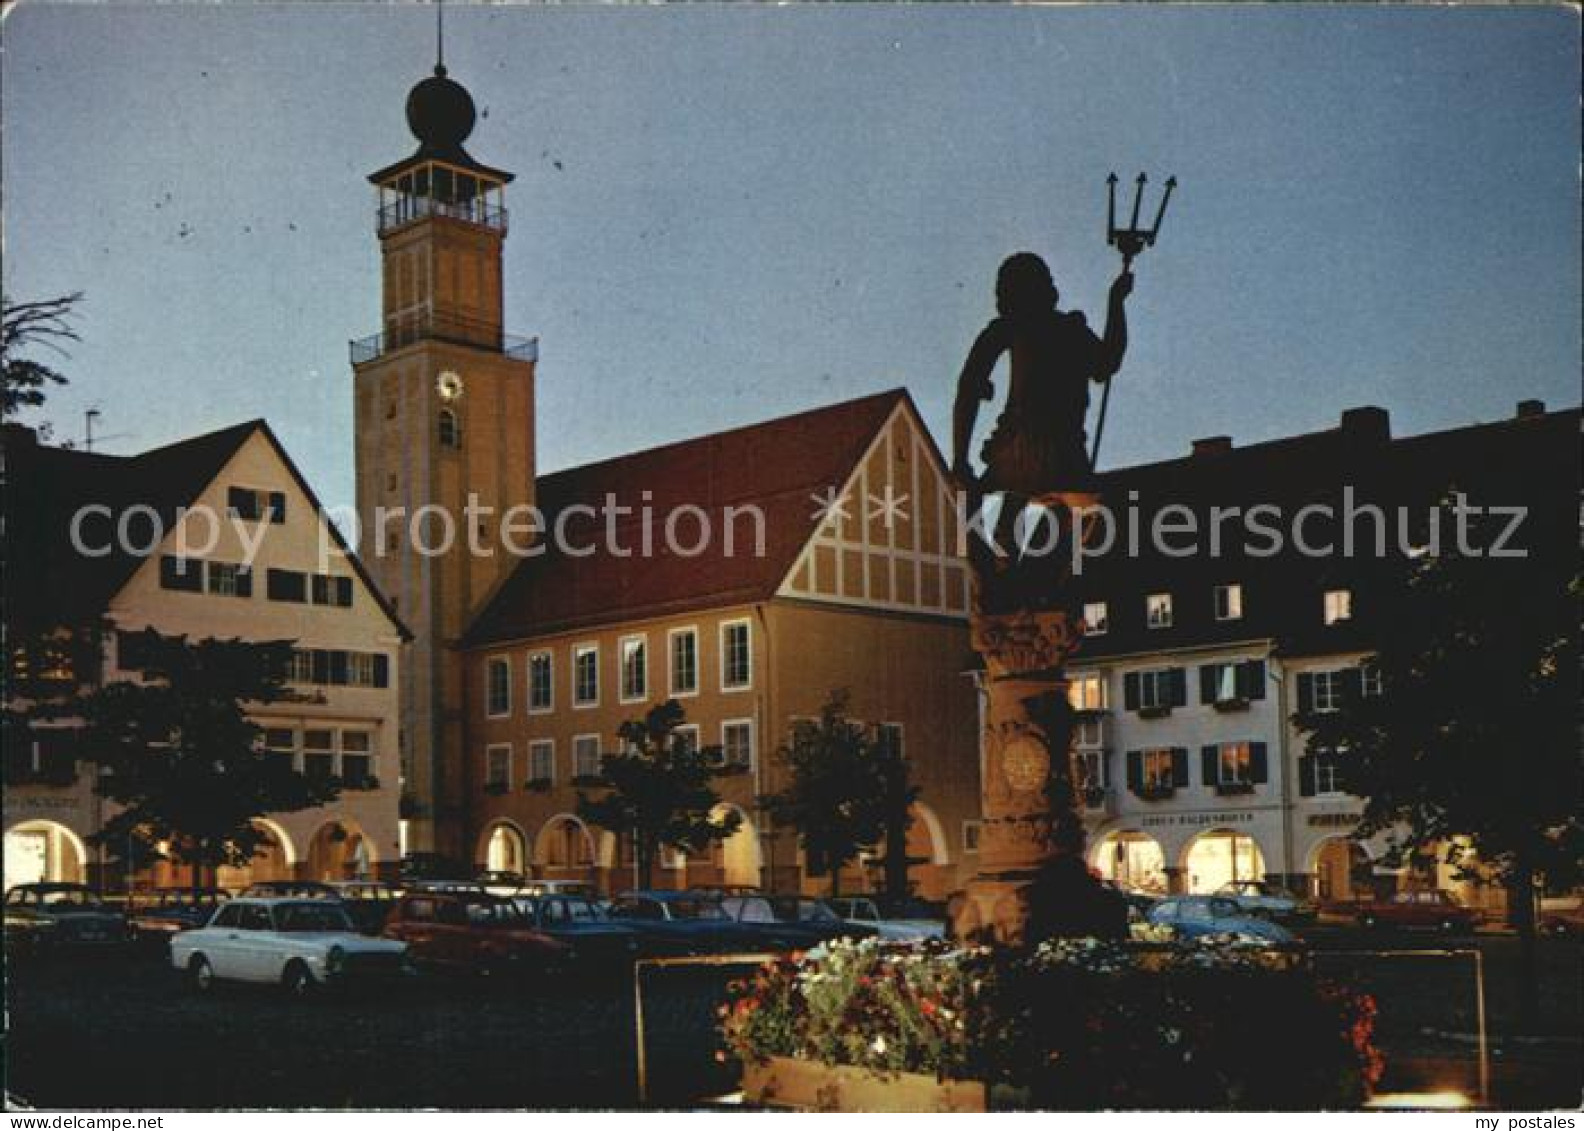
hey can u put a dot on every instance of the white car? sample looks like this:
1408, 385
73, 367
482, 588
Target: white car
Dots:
865, 913
300, 944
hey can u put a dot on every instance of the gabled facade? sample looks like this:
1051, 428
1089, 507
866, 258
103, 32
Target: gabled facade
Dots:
224, 539
837, 590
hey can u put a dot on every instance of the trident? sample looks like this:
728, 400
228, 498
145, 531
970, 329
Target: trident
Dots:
1129, 241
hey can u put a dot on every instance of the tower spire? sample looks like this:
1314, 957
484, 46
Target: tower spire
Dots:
440, 37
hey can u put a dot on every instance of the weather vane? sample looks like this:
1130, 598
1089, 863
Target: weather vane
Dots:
1129, 241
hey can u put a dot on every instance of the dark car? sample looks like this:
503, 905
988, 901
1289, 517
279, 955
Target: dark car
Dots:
291, 889
1432, 910
368, 903
593, 938
153, 917
792, 922
681, 922
417, 867
476, 932
47, 916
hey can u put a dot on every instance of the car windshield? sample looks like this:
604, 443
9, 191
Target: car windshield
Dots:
68, 897
305, 917
695, 909
803, 911
502, 914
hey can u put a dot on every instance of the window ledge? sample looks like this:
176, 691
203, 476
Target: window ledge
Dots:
1157, 793
1154, 712
1233, 789
1227, 705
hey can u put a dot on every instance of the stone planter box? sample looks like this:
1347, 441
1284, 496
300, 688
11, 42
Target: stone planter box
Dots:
805, 1086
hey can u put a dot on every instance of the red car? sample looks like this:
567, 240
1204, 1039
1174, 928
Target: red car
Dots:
1436, 910
473, 931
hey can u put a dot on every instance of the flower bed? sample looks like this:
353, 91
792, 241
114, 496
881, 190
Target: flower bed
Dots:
1074, 1024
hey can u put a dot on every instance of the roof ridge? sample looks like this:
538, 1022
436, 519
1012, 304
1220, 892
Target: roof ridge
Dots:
897, 392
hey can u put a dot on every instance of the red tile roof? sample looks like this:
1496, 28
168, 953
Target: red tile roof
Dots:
775, 466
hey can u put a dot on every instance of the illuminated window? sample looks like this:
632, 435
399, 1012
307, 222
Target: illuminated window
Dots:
585, 675
1095, 618
1338, 605
634, 669
1158, 610
1229, 602
1087, 692
1158, 772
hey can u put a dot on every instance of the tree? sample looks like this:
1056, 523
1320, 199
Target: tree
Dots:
838, 794
658, 790
46, 323
1472, 741
899, 793
184, 763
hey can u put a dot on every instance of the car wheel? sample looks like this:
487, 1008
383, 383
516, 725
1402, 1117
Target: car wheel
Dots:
298, 980
200, 974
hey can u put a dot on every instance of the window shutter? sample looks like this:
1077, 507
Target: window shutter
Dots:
244, 581
277, 507
1130, 691
1306, 776
321, 666
1177, 687
1209, 756
1105, 769
381, 670
321, 589
1180, 765
1207, 682
1135, 770
344, 592
1306, 683
1352, 685
338, 668
1251, 679
1258, 771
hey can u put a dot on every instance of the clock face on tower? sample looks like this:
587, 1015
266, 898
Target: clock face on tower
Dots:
449, 386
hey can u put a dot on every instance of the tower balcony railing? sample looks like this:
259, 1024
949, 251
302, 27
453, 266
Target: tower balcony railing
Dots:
443, 328
410, 209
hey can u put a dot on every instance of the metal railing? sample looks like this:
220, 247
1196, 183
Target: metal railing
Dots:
443, 328
410, 209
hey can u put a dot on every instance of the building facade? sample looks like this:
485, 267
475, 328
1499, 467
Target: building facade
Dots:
809, 586
1193, 772
214, 537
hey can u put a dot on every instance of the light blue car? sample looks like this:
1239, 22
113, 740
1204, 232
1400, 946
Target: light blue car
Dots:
1194, 916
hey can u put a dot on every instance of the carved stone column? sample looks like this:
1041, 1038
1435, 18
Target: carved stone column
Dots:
1026, 787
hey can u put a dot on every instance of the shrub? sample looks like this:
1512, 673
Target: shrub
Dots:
1075, 1024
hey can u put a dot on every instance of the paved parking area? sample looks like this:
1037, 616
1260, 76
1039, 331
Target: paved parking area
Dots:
122, 1031
125, 1032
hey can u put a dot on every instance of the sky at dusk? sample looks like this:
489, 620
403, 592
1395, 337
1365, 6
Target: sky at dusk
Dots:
727, 214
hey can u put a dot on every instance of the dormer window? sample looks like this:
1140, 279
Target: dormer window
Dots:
450, 429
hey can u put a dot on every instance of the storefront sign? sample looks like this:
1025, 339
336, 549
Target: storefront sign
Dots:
1237, 817
1333, 820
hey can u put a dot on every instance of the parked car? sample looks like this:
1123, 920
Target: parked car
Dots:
1562, 916
1195, 916
476, 932
679, 922
416, 867
793, 922
368, 903
1273, 902
558, 887
42, 916
302, 945
864, 912
593, 939
502, 883
291, 889
153, 918
1432, 909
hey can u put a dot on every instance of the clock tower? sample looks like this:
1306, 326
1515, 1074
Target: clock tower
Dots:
445, 434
